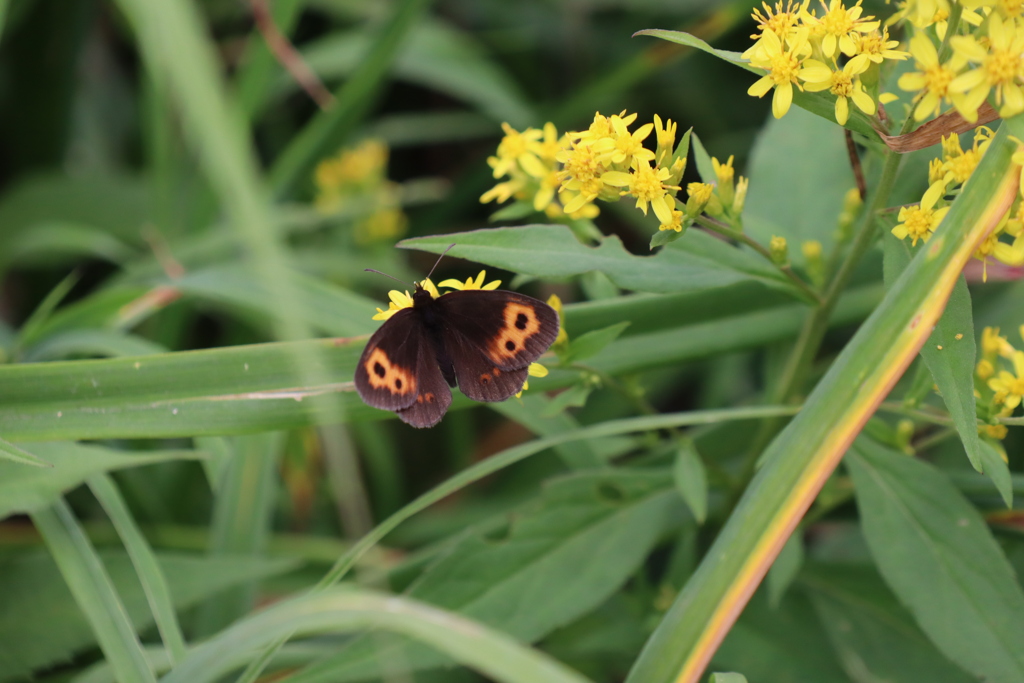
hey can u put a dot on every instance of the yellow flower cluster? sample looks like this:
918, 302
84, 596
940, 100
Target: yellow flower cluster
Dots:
987, 58
358, 175
839, 51
565, 175
946, 175
1000, 391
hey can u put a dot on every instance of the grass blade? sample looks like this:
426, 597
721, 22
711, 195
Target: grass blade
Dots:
493, 654
152, 578
8, 451
90, 584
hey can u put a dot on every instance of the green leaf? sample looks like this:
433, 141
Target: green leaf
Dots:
727, 678
46, 307
323, 306
785, 568
114, 204
23, 489
663, 237
40, 625
705, 168
691, 480
93, 591
108, 343
436, 55
51, 242
696, 261
998, 471
590, 343
531, 412
799, 174
493, 654
153, 581
783, 643
937, 554
951, 362
254, 388
557, 560
573, 397
875, 637
218, 391
8, 451
242, 513
817, 103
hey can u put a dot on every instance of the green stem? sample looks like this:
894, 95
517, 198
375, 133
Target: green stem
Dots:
933, 417
813, 331
726, 231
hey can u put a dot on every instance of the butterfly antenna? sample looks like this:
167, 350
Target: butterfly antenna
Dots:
371, 270
439, 260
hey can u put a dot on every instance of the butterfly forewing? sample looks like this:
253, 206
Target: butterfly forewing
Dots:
511, 330
398, 371
492, 337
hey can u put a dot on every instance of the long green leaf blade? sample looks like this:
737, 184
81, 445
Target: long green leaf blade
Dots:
937, 554
152, 578
90, 584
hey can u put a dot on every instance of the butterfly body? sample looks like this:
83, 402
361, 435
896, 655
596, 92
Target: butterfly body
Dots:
479, 340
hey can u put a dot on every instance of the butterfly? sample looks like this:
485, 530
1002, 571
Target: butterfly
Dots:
482, 341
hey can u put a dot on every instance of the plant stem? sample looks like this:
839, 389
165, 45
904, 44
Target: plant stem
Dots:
726, 231
813, 331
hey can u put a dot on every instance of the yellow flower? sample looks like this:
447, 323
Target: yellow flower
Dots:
876, 47
676, 223
724, 173
648, 186
535, 370
1009, 387
838, 26
919, 222
994, 431
779, 250
699, 196
628, 147
779, 21
811, 249
666, 137
383, 224
843, 83
581, 173
514, 148
1000, 64
993, 344
352, 171
783, 66
471, 283
400, 300
547, 148
984, 369
502, 192
932, 81
563, 337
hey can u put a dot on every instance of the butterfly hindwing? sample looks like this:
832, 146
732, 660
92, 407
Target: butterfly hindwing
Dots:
478, 377
398, 371
492, 337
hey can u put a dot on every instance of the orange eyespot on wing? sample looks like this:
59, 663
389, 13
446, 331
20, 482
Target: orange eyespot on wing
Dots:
381, 373
520, 323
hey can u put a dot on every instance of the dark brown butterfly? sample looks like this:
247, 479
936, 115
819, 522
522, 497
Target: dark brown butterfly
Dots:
482, 341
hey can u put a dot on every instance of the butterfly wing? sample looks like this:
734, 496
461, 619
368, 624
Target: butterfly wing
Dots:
398, 371
492, 337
